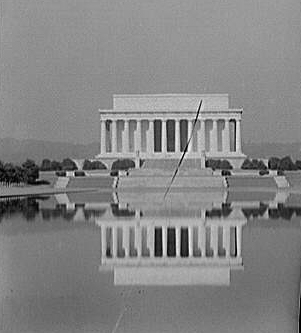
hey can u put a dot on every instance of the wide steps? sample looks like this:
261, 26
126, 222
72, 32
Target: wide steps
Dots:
61, 182
163, 181
91, 182
251, 181
281, 182
171, 164
293, 179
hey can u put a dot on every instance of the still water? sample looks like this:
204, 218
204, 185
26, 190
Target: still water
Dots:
132, 262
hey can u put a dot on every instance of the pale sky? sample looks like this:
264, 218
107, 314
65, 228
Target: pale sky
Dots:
62, 60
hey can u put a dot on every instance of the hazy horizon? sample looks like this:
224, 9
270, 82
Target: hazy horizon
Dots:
62, 61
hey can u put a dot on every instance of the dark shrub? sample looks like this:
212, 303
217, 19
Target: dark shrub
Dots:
87, 165
280, 173
68, 165
42, 182
226, 173
123, 164
56, 166
286, 163
61, 173
226, 165
213, 164
46, 165
273, 163
298, 164
247, 164
79, 173
261, 165
98, 165
253, 165
263, 172
94, 165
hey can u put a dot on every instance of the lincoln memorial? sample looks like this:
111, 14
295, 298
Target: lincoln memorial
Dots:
159, 126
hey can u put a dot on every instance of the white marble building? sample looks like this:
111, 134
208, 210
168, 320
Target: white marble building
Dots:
158, 127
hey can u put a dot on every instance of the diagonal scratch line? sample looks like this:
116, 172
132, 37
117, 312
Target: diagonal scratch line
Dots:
184, 152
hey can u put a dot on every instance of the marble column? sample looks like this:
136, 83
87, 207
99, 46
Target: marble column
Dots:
103, 145
238, 240
214, 240
226, 240
126, 139
103, 241
138, 238
190, 241
114, 242
114, 136
177, 136
202, 240
164, 241
189, 131
126, 240
213, 141
238, 136
150, 137
201, 136
151, 240
226, 137
138, 136
163, 136
178, 241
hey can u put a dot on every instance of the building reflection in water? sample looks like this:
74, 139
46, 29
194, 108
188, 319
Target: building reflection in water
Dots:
171, 250
195, 238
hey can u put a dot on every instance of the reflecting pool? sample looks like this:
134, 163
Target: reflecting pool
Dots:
133, 262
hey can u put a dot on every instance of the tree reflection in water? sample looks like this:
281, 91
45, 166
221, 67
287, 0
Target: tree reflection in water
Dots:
30, 207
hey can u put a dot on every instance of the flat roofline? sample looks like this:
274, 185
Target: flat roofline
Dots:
166, 95
171, 111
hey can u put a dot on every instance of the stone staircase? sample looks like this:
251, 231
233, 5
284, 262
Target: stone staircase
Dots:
281, 182
293, 178
61, 182
104, 181
172, 163
251, 181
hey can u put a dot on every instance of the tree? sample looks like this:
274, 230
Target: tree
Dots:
298, 164
286, 163
31, 171
247, 164
9, 169
225, 164
87, 165
55, 166
273, 163
123, 164
68, 165
98, 165
46, 165
261, 165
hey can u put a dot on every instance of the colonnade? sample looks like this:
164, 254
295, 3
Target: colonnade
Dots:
154, 241
167, 135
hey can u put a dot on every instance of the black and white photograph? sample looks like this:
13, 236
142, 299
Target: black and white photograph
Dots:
150, 166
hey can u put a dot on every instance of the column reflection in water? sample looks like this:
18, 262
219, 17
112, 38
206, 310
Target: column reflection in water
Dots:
171, 250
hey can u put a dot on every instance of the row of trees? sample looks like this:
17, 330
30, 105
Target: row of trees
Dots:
10, 173
69, 165
66, 164
274, 163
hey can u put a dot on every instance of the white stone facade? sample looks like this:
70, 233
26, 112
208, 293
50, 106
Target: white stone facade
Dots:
158, 126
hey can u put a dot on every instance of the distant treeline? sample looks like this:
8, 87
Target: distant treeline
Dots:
10, 173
